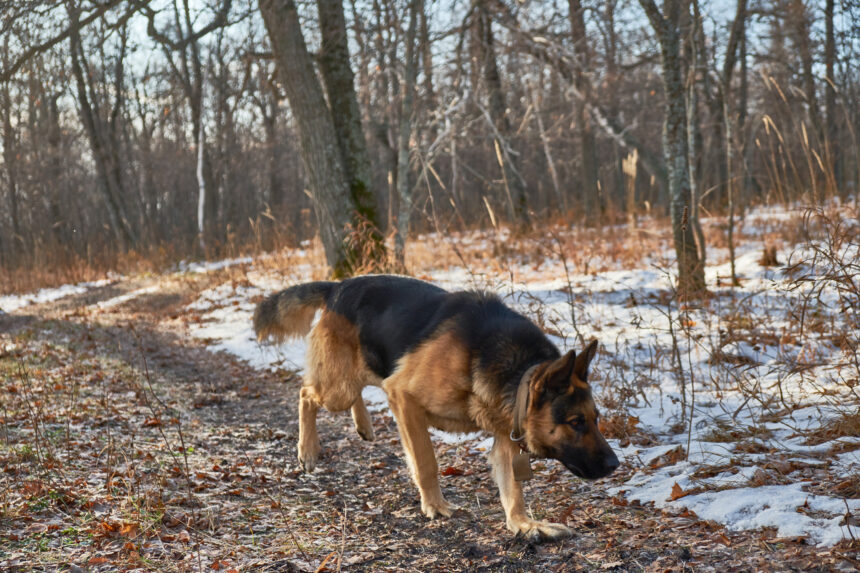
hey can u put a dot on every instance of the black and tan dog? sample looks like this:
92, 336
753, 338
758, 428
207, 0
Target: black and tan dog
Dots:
459, 361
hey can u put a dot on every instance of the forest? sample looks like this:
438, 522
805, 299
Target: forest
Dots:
193, 129
677, 179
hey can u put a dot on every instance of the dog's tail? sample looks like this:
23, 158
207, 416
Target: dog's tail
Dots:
289, 313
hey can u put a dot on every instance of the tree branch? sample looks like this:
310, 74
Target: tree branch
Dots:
658, 22
218, 21
37, 49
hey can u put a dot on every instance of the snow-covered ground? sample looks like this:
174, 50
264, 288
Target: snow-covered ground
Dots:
755, 385
745, 460
12, 303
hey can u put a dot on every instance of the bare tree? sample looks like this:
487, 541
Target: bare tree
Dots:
514, 184
103, 132
340, 88
327, 174
10, 152
831, 139
587, 153
667, 27
407, 91
112, 139
182, 51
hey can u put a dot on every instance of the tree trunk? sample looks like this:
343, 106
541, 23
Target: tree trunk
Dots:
694, 134
321, 153
426, 59
201, 177
346, 117
737, 42
628, 165
102, 147
803, 42
275, 188
407, 92
550, 163
587, 153
610, 45
831, 139
11, 164
691, 275
515, 187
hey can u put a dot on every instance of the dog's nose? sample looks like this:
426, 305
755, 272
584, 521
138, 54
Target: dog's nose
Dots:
611, 463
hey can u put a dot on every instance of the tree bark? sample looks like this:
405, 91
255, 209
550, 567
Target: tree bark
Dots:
321, 153
514, 185
694, 134
587, 152
346, 117
103, 146
407, 92
803, 42
691, 275
426, 59
831, 139
10, 153
201, 175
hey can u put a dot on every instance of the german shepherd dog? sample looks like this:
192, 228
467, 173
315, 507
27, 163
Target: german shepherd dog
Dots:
456, 361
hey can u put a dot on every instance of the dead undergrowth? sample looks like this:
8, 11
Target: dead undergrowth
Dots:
125, 447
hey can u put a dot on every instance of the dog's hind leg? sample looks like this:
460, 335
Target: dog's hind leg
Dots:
511, 492
309, 441
361, 417
412, 423
333, 380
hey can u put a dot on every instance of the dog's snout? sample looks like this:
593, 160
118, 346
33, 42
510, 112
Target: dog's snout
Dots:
611, 463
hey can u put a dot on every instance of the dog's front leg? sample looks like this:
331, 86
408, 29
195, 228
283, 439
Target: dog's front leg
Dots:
412, 423
511, 492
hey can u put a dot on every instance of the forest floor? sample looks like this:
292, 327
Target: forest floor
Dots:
129, 444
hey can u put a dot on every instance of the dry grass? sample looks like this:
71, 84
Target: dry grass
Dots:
845, 425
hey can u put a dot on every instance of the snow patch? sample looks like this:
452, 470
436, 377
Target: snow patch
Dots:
11, 303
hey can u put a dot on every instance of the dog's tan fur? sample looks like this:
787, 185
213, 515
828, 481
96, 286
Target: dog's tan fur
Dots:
336, 374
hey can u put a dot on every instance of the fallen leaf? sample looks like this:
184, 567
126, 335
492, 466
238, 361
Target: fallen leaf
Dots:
677, 492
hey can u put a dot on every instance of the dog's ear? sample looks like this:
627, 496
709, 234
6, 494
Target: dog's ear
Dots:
557, 375
580, 367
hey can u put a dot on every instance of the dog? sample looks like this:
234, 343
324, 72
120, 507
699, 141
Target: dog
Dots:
457, 361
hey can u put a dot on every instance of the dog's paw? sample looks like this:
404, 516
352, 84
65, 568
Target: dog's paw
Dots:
366, 433
363, 423
308, 456
537, 531
439, 508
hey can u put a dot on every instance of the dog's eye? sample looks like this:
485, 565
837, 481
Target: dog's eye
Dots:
577, 423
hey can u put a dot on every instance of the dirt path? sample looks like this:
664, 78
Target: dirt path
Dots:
127, 446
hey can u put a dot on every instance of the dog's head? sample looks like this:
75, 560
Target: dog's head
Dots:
562, 419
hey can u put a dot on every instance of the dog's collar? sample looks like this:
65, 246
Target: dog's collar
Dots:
521, 406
